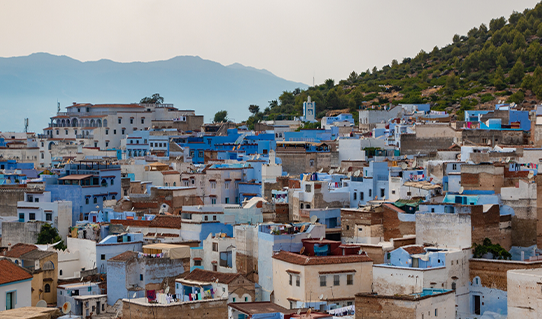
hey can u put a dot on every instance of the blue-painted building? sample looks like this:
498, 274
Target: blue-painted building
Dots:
312, 135
87, 184
373, 181
114, 245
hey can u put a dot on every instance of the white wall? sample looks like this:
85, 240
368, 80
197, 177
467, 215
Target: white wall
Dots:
524, 294
445, 230
23, 295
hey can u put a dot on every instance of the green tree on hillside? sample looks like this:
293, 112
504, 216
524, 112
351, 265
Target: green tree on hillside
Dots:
154, 99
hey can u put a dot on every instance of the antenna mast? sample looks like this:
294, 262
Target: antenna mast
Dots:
26, 125
57, 106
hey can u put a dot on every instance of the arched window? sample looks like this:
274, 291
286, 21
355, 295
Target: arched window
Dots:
104, 183
60, 272
47, 288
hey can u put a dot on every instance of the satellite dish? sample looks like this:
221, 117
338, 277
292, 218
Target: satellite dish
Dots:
42, 304
404, 165
127, 228
82, 278
321, 296
135, 294
167, 290
314, 218
309, 235
302, 250
322, 238
461, 189
66, 307
508, 160
530, 175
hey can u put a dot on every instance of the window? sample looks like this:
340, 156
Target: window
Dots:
200, 153
141, 277
290, 281
454, 285
47, 288
112, 182
349, 280
436, 312
214, 217
370, 193
106, 144
29, 198
213, 201
32, 216
323, 281
86, 201
131, 121
237, 200
336, 280
42, 156
21, 217
297, 281
302, 206
347, 227
215, 246
355, 196
246, 299
236, 185
213, 185
360, 195
206, 218
66, 132
311, 163
197, 262
382, 192
308, 188
227, 185
143, 121
48, 217
393, 191
123, 131
56, 132
233, 299
227, 200
95, 200
307, 206
114, 131
454, 166
106, 132
60, 272
102, 257
120, 120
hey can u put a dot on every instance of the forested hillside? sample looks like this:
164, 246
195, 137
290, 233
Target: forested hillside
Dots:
496, 62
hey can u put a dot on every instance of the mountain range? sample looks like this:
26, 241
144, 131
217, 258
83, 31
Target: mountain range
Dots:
30, 86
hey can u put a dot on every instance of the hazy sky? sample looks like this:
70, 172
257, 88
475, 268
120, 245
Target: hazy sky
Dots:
295, 40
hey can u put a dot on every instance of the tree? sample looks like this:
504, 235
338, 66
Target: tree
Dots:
221, 116
352, 77
49, 235
254, 109
154, 99
496, 250
517, 72
330, 83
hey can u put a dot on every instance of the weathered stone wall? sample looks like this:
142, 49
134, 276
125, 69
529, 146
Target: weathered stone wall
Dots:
492, 273
411, 145
213, 309
15, 232
9, 196
351, 218
296, 163
247, 266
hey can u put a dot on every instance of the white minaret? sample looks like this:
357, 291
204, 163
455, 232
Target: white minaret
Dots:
309, 110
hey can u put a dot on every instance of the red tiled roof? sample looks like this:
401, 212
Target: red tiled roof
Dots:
131, 222
10, 272
125, 256
251, 308
166, 222
319, 260
19, 250
211, 276
170, 172
414, 250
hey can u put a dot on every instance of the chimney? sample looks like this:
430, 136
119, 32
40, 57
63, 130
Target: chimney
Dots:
9, 246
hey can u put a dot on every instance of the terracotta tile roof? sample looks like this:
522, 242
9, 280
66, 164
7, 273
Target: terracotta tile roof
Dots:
211, 276
131, 222
170, 172
125, 256
319, 260
10, 272
20, 249
414, 250
118, 105
166, 222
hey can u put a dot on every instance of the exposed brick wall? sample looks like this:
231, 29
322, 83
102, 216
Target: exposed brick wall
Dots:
393, 227
215, 309
351, 218
492, 273
379, 308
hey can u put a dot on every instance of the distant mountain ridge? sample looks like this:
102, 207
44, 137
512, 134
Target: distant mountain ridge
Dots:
31, 85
